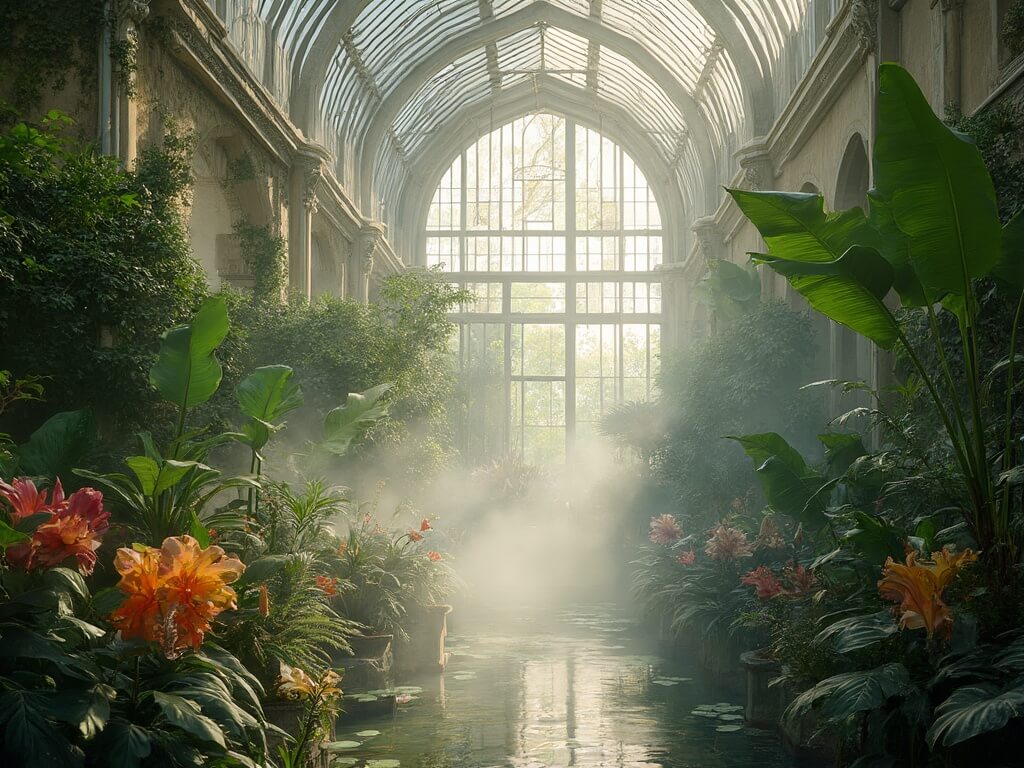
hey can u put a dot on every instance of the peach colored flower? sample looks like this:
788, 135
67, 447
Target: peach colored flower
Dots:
174, 592
434, 556
293, 683
727, 544
424, 525
686, 558
414, 536
264, 601
665, 529
765, 583
769, 536
918, 588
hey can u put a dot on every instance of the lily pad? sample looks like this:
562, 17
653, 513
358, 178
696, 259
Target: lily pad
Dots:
665, 682
730, 717
728, 728
383, 763
411, 689
340, 746
705, 713
344, 762
368, 734
366, 699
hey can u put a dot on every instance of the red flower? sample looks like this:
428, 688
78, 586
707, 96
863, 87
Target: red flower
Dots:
327, 585
766, 584
73, 528
686, 558
801, 581
425, 525
414, 536
434, 556
665, 530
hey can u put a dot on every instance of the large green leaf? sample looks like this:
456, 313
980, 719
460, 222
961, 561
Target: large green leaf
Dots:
973, 710
790, 486
58, 444
852, 692
841, 450
937, 185
29, 731
856, 632
86, 710
265, 396
850, 290
125, 745
729, 289
795, 226
895, 248
347, 422
187, 372
185, 714
1010, 267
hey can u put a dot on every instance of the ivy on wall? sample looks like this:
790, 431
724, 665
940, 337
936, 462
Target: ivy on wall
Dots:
1013, 28
41, 44
265, 254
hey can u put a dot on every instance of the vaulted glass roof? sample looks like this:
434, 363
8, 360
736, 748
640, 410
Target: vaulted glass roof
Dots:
380, 81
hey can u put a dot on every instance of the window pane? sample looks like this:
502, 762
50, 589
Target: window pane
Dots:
538, 350
538, 297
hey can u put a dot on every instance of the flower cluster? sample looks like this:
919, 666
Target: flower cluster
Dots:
71, 527
769, 536
174, 592
327, 585
727, 544
795, 581
665, 530
435, 557
918, 588
296, 685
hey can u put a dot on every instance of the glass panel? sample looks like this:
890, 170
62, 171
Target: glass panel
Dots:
443, 252
482, 389
538, 297
444, 211
641, 253
538, 350
488, 298
538, 421
594, 254
597, 371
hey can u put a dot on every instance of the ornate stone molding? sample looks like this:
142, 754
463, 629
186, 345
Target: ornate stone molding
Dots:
134, 11
709, 238
756, 161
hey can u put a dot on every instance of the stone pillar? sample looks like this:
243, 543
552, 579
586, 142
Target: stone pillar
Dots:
709, 239
363, 261
952, 50
124, 117
676, 306
305, 181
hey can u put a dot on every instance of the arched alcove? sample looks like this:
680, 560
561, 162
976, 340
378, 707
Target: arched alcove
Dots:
212, 217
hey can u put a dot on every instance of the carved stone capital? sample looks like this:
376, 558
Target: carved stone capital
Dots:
133, 11
758, 169
709, 238
864, 22
369, 242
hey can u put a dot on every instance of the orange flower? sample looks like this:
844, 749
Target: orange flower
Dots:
264, 601
414, 536
328, 585
686, 558
434, 556
140, 615
918, 588
727, 544
665, 530
425, 525
174, 592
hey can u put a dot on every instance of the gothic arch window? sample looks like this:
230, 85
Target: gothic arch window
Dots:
555, 230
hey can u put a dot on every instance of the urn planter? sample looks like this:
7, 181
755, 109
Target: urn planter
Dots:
764, 704
370, 666
423, 650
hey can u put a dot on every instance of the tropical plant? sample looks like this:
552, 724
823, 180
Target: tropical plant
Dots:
932, 233
729, 290
321, 701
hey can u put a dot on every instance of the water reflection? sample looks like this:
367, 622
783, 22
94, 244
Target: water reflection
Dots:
573, 690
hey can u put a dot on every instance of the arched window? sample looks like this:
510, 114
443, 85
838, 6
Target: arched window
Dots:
556, 231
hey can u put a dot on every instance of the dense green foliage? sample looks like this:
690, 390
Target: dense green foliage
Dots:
94, 264
745, 379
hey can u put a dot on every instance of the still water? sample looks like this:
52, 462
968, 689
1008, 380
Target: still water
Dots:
572, 689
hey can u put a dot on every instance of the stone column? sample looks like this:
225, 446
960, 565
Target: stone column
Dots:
363, 261
305, 181
310, 205
952, 50
124, 117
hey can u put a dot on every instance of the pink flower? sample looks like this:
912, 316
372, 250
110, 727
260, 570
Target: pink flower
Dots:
765, 583
665, 530
686, 558
26, 500
434, 556
425, 525
727, 544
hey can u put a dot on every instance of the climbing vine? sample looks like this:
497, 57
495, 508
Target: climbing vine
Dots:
39, 50
1013, 28
264, 253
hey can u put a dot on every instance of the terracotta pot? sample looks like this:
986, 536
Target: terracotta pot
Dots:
764, 704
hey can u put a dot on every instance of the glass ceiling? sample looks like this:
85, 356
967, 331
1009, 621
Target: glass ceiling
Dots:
396, 73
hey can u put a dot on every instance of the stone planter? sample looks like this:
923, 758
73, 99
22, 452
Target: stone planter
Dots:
764, 705
360, 707
423, 651
370, 666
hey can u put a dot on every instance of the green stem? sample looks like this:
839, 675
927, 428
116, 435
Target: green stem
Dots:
933, 324
984, 476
